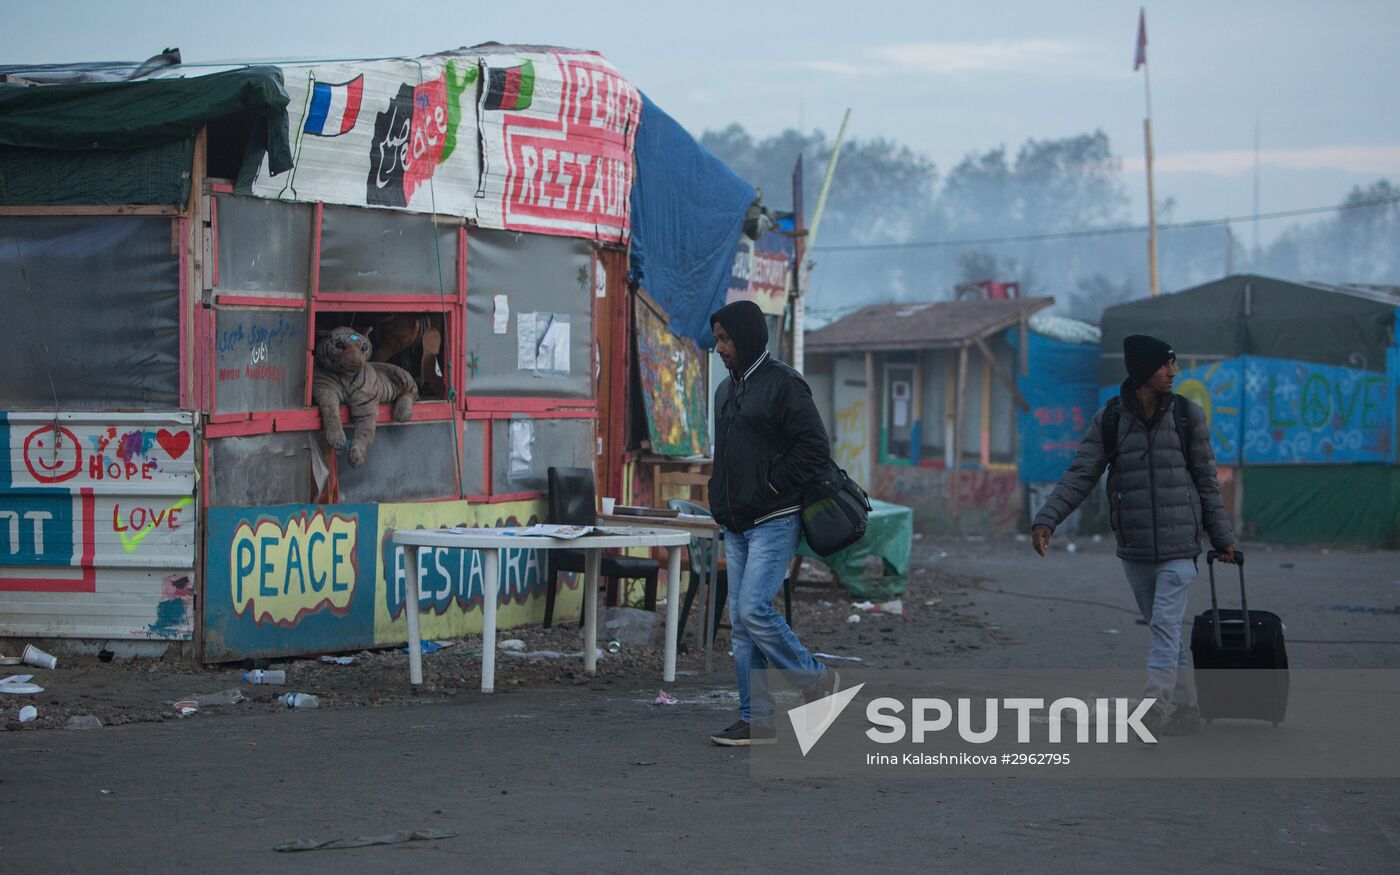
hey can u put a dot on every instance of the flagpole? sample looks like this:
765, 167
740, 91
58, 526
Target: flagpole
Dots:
1154, 284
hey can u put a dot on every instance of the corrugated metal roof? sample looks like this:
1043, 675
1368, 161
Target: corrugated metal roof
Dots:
1066, 329
921, 325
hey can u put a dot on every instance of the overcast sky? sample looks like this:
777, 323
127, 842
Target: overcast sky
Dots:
1318, 78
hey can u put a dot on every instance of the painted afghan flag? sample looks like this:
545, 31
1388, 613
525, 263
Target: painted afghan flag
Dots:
511, 88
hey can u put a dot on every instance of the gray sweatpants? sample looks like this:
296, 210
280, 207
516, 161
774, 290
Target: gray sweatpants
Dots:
1161, 589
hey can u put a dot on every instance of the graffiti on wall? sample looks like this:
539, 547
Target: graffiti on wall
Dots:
1265, 411
84, 493
283, 569
450, 581
1301, 412
1218, 387
528, 141
323, 578
980, 501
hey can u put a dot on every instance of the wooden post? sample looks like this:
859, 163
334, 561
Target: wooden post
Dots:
874, 413
916, 413
1005, 378
957, 438
986, 413
949, 412
1025, 348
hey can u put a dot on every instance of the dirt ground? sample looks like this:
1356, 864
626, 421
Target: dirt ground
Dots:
557, 772
145, 690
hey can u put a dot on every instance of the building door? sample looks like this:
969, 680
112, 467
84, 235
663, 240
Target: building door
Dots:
851, 400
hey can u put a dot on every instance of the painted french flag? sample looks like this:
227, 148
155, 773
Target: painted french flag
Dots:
334, 107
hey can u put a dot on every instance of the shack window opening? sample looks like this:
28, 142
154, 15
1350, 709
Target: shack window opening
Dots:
418, 342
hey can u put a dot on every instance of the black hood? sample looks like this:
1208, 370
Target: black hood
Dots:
747, 327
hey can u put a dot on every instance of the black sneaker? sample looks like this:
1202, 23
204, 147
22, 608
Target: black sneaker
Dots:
827, 686
1184, 720
741, 734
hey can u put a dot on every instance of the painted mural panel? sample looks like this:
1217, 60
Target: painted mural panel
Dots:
97, 525
1266, 411
528, 140
851, 429
296, 579
1219, 388
289, 579
451, 581
673, 387
1301, 412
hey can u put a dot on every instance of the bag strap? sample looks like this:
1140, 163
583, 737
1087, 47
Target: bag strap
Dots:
1183, 426
1112, 414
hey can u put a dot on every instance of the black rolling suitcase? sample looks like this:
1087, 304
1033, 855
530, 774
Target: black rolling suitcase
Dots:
1229, 647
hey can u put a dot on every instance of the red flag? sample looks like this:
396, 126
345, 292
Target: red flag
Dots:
1140, 57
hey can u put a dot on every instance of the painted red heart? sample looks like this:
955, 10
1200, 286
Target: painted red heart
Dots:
174, 443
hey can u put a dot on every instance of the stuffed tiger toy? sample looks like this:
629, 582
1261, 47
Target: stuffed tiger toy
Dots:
345, 375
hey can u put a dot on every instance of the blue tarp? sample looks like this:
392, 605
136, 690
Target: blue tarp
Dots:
1062, 391
687, 214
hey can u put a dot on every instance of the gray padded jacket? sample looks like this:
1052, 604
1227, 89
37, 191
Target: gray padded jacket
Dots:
1157, 508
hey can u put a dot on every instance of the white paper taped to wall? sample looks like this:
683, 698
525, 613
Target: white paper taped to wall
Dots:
525, 341
500, 322
522, 441
552, 343
600, 280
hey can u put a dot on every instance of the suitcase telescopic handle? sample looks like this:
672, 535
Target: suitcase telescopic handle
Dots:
1211, 556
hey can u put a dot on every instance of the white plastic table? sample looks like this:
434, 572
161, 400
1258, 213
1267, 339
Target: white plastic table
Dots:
699, 527
491, 543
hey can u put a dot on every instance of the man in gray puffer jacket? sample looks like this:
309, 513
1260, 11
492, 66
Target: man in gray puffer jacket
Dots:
1161, 495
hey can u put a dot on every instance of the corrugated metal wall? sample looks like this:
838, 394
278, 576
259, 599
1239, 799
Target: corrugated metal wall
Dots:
97, 525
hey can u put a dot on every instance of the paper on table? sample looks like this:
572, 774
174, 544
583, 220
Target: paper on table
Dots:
567, 533
500, 322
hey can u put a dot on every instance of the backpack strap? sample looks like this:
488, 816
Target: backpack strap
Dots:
1112, 413
1183, 427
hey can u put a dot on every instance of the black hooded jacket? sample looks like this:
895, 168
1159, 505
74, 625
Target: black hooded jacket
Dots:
769, 438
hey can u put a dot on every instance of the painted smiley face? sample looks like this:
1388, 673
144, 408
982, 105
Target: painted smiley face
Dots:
52, 454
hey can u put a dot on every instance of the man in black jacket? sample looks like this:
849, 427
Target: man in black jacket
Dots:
769, 442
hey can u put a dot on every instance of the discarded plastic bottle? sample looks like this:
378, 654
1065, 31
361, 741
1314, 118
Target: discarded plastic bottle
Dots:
299, 700
614, 645
276, 677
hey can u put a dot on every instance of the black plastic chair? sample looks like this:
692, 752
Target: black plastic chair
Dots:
572, 502
703, 553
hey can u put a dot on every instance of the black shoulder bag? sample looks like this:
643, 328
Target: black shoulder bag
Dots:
835, 511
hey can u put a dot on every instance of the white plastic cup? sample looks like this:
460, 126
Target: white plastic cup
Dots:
38, 658
608, 505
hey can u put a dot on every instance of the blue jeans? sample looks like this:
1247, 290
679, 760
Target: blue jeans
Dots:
758, 561
1161, 589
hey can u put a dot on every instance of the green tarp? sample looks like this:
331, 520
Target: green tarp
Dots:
889, 535
1255, 315
1313, 504
156, 174
131, 142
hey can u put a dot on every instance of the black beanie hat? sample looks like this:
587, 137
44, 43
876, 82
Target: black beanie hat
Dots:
1143, 355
